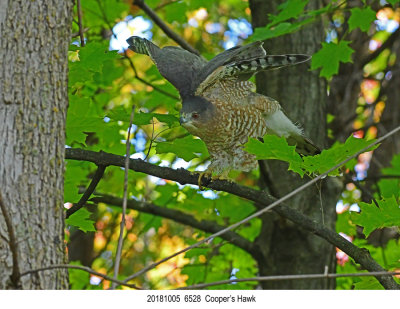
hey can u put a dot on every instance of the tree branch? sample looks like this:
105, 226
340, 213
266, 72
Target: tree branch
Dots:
92, 186
124, 201
179, 216
12, 242
79, 9
167, 30
84, 268
288, 277
182, 176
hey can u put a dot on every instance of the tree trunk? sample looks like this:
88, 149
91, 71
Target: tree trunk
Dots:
33, 101
303, 95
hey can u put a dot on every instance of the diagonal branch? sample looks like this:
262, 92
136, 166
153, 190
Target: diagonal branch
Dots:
92, 186
164, 27
12, 242
179, 216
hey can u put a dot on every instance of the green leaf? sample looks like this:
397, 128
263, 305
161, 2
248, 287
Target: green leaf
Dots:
361, 18
289, 9
78, 279
368, 283
336, 154
185, 148
81, 220
82, 117
122, 114
93, 56
176, 12
275, 148
372, 217
264, 33
393, 2
329, 57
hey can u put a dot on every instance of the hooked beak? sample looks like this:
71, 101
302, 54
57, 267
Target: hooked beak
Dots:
182, 119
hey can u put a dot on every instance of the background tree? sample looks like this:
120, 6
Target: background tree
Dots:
33, 106
304, 97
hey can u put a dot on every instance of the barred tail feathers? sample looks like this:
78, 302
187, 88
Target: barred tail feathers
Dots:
268, 62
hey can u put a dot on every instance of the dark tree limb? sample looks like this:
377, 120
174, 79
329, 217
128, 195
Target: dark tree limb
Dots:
183, 176
179, 216
92, 186
164, 27
12, 242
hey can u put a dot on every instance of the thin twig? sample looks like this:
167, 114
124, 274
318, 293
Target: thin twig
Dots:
79, 9
75, 34
92, 186
167, 30
263, 210
288, 277
16, 274
124, 202
84, 268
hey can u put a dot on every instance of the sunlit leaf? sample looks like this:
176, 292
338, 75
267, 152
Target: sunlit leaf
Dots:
276, 148
373, 217
329, 57
186, 148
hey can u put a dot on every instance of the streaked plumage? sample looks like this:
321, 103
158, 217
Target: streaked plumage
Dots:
218, 104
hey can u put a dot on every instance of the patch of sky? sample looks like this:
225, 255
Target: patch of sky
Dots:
123, 30
331, 36
213, 28
239, 29
384, 23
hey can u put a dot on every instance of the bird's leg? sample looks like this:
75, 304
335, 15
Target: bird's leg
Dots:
222, 176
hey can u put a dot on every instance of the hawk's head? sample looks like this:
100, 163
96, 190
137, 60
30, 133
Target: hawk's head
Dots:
196, 113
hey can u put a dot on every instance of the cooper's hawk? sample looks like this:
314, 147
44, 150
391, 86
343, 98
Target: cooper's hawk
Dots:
218, 104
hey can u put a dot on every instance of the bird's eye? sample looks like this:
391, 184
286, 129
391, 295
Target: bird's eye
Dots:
195, 116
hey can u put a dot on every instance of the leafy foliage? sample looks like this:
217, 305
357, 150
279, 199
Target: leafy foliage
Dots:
277, 148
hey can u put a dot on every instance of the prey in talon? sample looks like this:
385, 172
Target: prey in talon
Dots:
219, 104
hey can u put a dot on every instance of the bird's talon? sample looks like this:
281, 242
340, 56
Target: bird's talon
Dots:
207, 173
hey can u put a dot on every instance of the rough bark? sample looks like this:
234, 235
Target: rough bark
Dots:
303, 95
33, 101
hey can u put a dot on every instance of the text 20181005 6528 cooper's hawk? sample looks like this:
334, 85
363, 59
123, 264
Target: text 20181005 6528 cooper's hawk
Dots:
218, 104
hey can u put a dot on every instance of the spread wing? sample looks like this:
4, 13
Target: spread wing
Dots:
177, 65
243, 62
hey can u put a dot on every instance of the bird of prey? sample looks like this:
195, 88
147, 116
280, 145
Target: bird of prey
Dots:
218, 104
